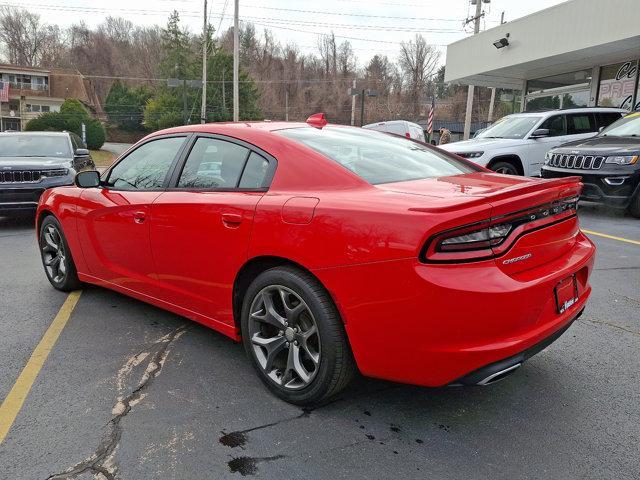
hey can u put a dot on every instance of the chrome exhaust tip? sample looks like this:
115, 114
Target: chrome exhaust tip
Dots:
499, 375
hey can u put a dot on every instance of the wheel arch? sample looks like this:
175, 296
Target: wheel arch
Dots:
511, 158
254, 267
42, 214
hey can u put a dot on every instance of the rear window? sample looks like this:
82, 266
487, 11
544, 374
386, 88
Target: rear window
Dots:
377, 157
24, 145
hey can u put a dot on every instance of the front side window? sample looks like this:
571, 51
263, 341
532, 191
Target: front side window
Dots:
377, 157
212, 164
513, 126
556, 125
146, 168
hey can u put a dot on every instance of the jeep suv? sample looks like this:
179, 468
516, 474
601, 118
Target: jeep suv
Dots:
608, 163
516, 144
31, 162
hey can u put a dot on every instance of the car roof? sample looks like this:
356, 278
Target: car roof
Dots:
47, 134
571, 110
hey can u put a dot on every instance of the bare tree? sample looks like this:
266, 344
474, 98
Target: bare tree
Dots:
418, 62
22, 35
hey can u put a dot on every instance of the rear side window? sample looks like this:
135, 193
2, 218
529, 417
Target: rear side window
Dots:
578, 123
213, 163
376, 157
604, 119
146, 168
255, 172
556, 125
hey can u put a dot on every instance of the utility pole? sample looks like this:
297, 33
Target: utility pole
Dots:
362, 107
353, 103
236, 62
185, 114
467, 116
203, 108
491, 102
224, 96
286, 103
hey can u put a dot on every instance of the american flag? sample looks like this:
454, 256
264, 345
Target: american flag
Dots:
4, 91
432, 108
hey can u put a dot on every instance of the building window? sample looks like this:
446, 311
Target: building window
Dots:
576, 80
38, 108
617, 83
559, 91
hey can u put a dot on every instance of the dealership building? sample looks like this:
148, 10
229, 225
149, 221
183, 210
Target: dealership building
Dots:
576, 54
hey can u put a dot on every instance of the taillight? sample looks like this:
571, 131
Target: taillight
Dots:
493, 237
407, 134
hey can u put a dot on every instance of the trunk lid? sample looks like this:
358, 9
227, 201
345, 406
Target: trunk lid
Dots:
536, 240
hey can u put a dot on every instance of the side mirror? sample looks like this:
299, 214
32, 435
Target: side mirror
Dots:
539, 133
600, 129
88, 179
81, 152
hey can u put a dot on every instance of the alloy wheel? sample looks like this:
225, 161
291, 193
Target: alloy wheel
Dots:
53, 253
504, 170
284, 337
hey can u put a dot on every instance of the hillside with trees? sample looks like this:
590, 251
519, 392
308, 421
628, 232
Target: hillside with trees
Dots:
130, 67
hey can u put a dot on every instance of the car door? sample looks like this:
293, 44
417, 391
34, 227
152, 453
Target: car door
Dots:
113, 220
538, 147
200, 228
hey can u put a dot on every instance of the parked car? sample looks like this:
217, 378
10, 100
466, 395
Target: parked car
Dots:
608, 164
327, 249
399, 127
31, 162
516, 144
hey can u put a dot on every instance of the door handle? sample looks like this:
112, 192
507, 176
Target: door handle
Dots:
231, 219
139, 217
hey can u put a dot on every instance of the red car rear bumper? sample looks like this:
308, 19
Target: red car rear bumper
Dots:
433, 324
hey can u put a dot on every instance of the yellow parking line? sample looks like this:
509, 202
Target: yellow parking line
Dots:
605, 235
13, 403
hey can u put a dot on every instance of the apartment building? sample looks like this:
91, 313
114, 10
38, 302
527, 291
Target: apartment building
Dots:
33, 91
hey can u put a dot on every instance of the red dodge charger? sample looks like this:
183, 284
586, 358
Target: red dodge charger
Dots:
328, 249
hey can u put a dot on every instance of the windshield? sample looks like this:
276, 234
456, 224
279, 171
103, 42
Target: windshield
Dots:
628, 126
375, 156
34, 146
510, 127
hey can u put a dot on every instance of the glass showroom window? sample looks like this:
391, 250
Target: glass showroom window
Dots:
617, 83
559, 91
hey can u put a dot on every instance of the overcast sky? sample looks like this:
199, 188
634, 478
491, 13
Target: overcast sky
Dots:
373, 26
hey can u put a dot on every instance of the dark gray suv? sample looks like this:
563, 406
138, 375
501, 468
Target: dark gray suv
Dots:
31, 162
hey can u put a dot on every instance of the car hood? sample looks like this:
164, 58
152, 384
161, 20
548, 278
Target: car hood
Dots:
480, 144
601, 145
33, 163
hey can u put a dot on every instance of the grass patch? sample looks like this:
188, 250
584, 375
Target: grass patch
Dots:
102, 158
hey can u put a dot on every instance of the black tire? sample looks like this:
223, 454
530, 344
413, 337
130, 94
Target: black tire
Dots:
634, 206
506, 168
335, 366
58, 264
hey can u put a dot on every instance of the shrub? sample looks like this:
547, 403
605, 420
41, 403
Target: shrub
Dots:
71, 116
96, 134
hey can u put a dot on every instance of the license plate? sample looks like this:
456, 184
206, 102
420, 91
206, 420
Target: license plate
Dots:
566, 293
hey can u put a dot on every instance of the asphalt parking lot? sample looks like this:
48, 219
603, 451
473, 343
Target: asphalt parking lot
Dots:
132, 392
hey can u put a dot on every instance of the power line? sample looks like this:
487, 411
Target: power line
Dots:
195, 14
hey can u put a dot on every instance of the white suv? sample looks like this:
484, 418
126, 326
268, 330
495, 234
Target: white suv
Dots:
399, 127
516, 144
